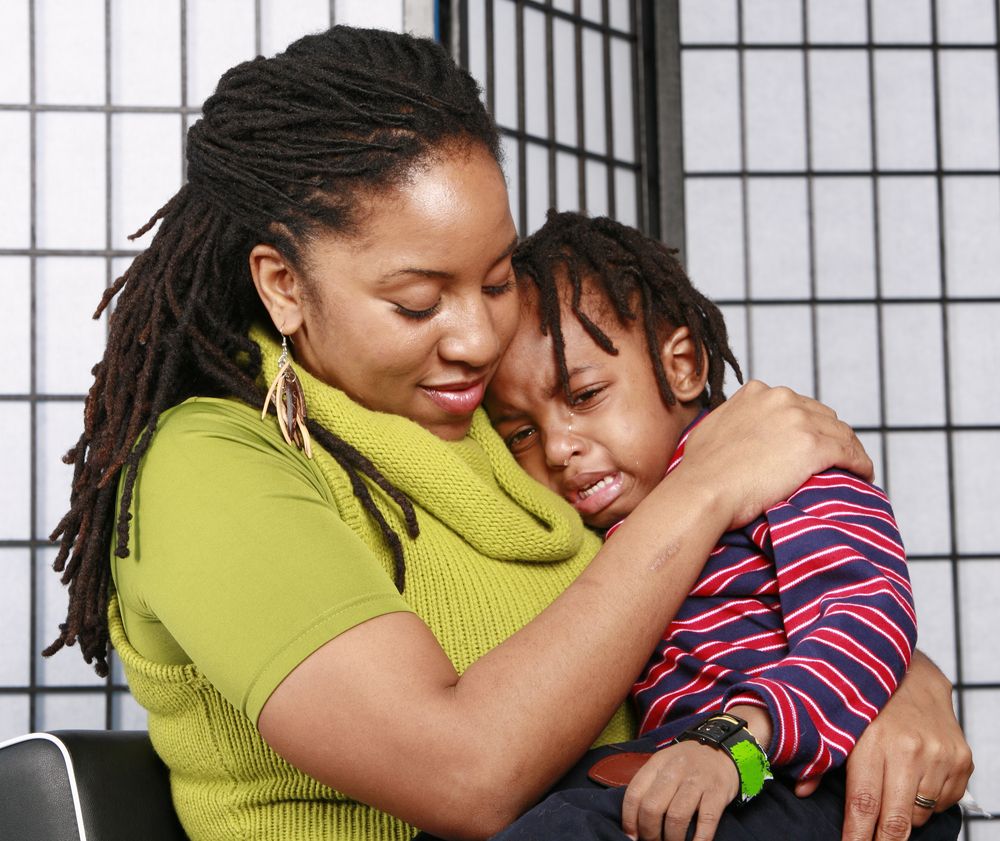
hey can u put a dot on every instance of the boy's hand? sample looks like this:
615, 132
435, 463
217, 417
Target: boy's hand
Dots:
677, 782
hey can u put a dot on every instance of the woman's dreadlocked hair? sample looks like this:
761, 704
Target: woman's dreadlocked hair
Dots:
284, 147
627, 267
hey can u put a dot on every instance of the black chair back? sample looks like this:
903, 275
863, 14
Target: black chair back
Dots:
85, 785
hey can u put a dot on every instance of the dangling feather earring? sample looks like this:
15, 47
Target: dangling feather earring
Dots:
289, 402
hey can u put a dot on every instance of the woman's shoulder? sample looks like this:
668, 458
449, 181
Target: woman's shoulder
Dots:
223, 441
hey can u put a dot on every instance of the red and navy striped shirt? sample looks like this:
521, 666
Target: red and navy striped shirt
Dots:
807, 611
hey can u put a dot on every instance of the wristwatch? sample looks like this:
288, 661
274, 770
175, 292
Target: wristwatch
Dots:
728, 732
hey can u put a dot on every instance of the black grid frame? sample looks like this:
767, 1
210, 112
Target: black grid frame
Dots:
639, 160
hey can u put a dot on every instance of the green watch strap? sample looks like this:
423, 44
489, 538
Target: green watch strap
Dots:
751, 765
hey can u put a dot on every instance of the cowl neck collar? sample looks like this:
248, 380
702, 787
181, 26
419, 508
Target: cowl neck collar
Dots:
503, 514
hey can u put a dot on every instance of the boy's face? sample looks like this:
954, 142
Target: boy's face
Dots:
609, 445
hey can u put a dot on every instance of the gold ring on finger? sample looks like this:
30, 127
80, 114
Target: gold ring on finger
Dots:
925, 802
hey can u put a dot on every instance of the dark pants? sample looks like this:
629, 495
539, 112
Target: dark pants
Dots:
581, 810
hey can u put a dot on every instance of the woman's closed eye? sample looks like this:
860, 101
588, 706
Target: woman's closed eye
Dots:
418, 315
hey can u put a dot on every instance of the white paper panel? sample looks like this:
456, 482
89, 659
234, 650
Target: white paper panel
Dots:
15, 351
708, 21
914, 364
839, 110
15, 608
916, 478
567, 181
622, 118
69, 52
145, 170
779, 238
67, 668
775, 110
974, 356
13, 716
594, 81
146, 52
977, 497
901, 21
386, 14
904, 103
714, 217
969, 125
220, 35
597, 188
932, 593
71, 159
69, 289
620, 14
966, 21
980, 713
626, 198
71, 710
782, 346
908, 230
711, 123
536, 99
14, 53
537, 183
972, 235
979, 583
564, 80
504, 65
843, 22
281, 22
848, 345
15, 456
844, 237
59, 426
736, 325
772, 21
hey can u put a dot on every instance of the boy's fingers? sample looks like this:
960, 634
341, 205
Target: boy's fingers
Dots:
710, 812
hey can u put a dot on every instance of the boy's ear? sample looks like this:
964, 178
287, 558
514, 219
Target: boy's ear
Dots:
279, 287
680, 355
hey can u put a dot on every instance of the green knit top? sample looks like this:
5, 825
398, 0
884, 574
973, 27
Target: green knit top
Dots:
494, 549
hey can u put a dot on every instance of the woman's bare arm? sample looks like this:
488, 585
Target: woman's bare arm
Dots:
380, 713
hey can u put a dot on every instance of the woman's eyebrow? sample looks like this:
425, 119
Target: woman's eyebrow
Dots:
439, 274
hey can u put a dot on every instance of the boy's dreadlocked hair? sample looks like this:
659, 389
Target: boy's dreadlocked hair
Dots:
627, 267
283, 150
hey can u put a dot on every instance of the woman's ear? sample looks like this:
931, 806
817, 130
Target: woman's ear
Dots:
279, 287
680, 356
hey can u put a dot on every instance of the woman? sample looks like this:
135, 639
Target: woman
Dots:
359, 618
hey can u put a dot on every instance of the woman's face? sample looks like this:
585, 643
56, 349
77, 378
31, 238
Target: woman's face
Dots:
411, 313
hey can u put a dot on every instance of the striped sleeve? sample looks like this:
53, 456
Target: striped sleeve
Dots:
848, 612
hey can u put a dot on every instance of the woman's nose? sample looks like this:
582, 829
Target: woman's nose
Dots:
472, 337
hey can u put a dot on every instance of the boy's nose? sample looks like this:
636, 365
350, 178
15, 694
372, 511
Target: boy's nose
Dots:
561, 446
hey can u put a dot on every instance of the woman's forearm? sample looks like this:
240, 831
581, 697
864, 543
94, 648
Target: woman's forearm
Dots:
461, 756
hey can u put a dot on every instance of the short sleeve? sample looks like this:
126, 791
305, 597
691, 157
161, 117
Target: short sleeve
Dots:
239, 561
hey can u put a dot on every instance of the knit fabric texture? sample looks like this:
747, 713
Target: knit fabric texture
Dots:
495, 548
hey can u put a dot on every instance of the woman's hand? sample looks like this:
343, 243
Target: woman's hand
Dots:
760, 445
677, 783
914, 746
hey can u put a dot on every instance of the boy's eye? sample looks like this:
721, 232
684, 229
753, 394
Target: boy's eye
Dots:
519, 440
496, 289
585, 395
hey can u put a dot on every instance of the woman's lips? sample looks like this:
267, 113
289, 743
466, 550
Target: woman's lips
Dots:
458, 399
